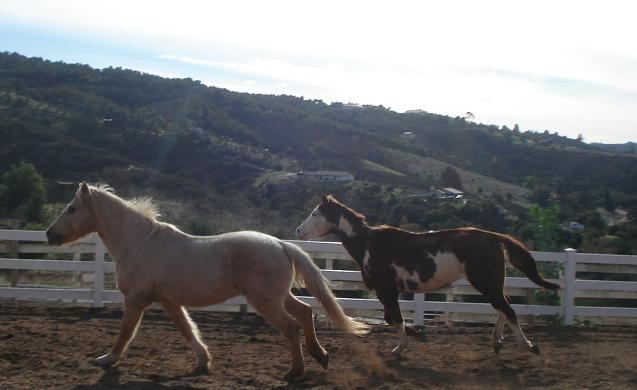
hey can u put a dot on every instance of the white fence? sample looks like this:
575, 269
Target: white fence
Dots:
20, 241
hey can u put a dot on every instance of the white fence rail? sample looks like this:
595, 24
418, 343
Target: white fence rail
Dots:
21, 241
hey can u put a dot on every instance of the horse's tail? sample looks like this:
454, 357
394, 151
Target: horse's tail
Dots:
319, 288
520, 258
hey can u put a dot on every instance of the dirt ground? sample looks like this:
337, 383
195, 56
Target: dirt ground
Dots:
43, 347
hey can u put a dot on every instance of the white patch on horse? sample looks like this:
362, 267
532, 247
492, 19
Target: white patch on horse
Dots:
366, 262
448, 270
505, 253
404, 275
345, 226
314, 226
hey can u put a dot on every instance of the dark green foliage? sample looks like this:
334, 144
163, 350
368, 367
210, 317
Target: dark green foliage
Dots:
546, 227
184, 139
450, 178
200, 228
541, 196
608, 202
22, 192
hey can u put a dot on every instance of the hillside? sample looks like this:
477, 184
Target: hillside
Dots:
207, 152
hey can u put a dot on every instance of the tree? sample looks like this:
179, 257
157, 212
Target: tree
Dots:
23, 191
545, 227
607, 200
541, 196
450, 178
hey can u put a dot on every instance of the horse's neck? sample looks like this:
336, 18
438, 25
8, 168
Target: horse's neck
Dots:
356, 244
120, 228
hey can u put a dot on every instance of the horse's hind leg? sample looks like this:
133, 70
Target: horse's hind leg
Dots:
498, 331
303, 312
133, 311
191, 333
488, 278
501, 305
272, 310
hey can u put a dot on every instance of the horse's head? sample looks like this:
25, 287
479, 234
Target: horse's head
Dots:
316, 224
330, 216
76, 221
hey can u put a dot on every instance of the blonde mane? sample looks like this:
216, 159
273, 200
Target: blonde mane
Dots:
142, 205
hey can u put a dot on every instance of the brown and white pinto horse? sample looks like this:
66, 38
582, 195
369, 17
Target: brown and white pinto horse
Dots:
393, 260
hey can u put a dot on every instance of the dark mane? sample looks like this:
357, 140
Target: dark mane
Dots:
390, 227
349, 213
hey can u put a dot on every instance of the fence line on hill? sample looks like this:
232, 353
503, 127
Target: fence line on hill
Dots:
23, 241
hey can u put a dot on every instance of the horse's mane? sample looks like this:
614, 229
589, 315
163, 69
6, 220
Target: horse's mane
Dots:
145, 206
142, 205
348, 209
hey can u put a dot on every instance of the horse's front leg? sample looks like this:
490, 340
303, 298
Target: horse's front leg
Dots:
191, 333
133, 310
394, 317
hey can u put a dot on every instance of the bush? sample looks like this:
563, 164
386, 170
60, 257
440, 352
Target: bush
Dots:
22, 192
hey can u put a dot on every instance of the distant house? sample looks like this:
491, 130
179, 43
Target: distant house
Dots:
576, 226
445, 193
325, 176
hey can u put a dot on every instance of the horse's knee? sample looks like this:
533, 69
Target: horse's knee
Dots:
290, 329
393, 315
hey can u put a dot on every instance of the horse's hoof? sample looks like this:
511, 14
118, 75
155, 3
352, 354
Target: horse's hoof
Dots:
320, 355
293, 374
415, 333
324, 360
203, 368
105, 360
535, 349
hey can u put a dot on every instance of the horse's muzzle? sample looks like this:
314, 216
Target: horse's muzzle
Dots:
54, 238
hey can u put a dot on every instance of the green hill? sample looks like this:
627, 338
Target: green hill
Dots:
215, 152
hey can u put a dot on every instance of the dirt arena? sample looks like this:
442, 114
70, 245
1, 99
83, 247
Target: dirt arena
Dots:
43, 347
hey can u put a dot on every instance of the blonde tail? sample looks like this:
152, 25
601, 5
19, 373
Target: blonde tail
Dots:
319, 288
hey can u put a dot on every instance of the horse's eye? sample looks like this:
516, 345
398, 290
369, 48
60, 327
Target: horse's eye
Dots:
71, 210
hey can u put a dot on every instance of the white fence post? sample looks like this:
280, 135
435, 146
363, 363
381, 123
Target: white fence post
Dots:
419, 309
98, 283
569, 286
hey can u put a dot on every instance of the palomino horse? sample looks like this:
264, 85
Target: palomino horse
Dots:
156, 262
394, 260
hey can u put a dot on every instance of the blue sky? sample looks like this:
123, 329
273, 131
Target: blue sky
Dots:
564, 66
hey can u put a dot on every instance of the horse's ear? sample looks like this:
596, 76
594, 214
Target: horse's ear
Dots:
326, 197
85, 193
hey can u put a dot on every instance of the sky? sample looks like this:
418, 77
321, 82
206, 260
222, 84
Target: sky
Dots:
564, 66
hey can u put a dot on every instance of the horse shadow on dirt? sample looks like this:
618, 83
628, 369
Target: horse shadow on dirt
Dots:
110, 379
